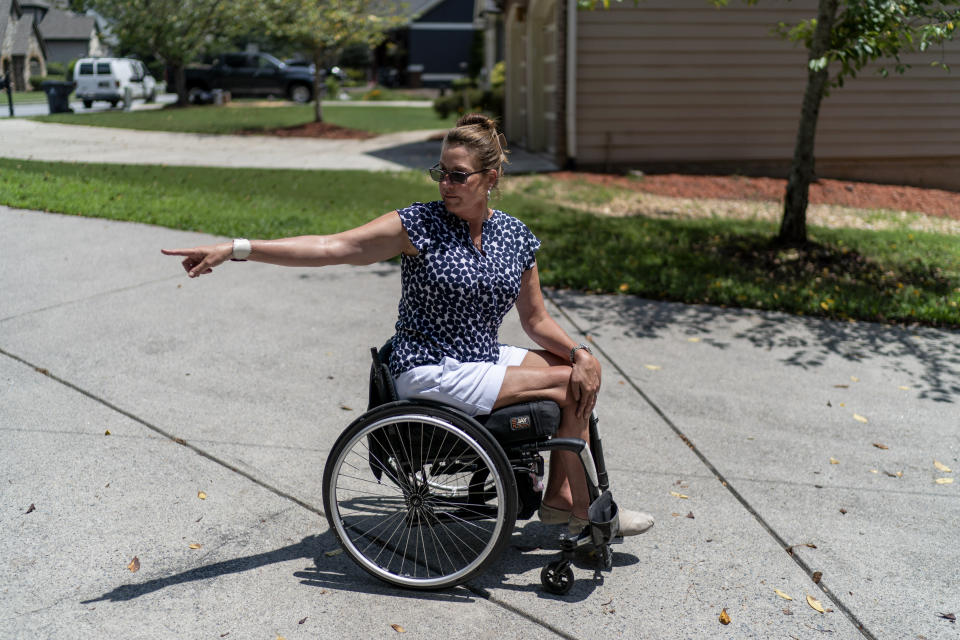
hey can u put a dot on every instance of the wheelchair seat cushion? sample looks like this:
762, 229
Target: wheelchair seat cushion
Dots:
525, 422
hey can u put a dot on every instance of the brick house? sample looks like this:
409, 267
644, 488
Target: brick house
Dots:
22, 50
681, 85
67, 35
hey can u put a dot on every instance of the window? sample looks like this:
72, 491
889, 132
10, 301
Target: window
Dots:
235, 61
86, 68
103, 68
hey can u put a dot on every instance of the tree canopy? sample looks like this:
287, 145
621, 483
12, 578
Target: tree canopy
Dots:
173, 31
326, 28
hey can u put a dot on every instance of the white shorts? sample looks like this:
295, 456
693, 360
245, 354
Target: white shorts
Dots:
472, 387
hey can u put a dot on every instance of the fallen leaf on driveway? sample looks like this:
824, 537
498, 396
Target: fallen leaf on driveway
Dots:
948, 616
879, 445
939, 466
202, 495
817, 575
195, 545
693, 339
904, 388
134, 565
335, 552
859, 418
31, 508
679, 495
782, 594
724, 617
398, 628
653, 367
834, 461
944, 480
854, 379
815, 604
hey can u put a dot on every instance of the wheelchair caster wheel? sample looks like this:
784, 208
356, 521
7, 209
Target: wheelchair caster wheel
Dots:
557, 577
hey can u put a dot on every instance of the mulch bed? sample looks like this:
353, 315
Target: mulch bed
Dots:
861, 195
313, 130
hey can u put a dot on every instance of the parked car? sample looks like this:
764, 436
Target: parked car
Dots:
251, 74
110, 79
332, 71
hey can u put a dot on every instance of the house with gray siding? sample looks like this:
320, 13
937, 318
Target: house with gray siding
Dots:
680, 85
439, 39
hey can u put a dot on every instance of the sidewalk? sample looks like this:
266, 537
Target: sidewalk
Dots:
722, 423
30, 140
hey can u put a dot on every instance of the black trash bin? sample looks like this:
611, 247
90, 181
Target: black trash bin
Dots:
58, 95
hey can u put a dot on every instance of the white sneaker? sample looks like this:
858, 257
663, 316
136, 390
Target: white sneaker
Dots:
632, 523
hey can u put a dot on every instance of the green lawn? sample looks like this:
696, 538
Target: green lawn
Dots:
23, 97
901, 276
228, 120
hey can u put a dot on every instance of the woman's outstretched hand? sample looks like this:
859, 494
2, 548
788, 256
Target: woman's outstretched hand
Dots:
199, 261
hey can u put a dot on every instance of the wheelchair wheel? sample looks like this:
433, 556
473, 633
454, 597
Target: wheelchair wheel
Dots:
419, 496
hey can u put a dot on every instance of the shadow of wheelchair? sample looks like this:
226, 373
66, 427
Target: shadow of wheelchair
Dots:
532, 547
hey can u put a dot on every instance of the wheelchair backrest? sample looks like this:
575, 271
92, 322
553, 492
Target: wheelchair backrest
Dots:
382, 387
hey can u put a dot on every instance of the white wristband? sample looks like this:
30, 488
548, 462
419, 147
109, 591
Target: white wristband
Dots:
241, 249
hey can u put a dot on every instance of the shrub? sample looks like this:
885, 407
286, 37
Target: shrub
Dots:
469, 98
355, 77
36, 81
332, 83
56, 69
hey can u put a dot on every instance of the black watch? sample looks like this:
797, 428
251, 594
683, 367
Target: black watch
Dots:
574, 350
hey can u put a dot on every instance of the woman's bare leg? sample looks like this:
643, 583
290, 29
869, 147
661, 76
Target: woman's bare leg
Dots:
545, 376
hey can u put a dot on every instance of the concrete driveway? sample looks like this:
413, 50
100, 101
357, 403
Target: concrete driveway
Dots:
185, 423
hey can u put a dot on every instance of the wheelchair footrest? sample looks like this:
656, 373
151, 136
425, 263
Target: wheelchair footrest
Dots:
604, 518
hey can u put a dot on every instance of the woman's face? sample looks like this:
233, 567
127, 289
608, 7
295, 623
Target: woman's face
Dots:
470, 198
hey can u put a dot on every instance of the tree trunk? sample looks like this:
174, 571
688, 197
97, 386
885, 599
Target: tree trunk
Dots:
180, 83
793, 227
317, 84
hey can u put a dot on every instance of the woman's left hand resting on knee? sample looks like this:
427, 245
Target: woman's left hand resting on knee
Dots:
378, 240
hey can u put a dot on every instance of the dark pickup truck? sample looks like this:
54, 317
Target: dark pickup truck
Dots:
250, 74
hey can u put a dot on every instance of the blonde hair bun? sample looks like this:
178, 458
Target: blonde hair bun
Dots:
477, 120
479, 134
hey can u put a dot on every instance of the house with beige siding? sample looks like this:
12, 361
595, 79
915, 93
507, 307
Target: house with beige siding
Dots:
680, 85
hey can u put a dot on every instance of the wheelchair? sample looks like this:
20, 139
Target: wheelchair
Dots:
422, 496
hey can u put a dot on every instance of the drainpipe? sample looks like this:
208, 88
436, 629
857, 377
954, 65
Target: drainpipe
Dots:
571, 97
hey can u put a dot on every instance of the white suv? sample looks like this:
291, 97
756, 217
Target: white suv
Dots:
109, 79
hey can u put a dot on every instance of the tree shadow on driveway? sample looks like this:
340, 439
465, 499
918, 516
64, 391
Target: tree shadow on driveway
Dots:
930, 357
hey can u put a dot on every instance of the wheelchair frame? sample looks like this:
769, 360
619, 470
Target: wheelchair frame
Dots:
423, 496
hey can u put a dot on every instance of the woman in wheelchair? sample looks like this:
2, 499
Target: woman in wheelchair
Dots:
464, 265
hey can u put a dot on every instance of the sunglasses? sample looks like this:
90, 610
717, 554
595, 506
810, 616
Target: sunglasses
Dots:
456, 177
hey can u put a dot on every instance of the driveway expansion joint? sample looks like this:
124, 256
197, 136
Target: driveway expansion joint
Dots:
716, 472
166, 434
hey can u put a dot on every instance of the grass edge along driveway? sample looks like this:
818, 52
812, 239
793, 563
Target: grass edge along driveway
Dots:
247, 119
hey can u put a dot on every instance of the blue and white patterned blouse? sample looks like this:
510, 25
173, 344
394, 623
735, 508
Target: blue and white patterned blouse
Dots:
455, 296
